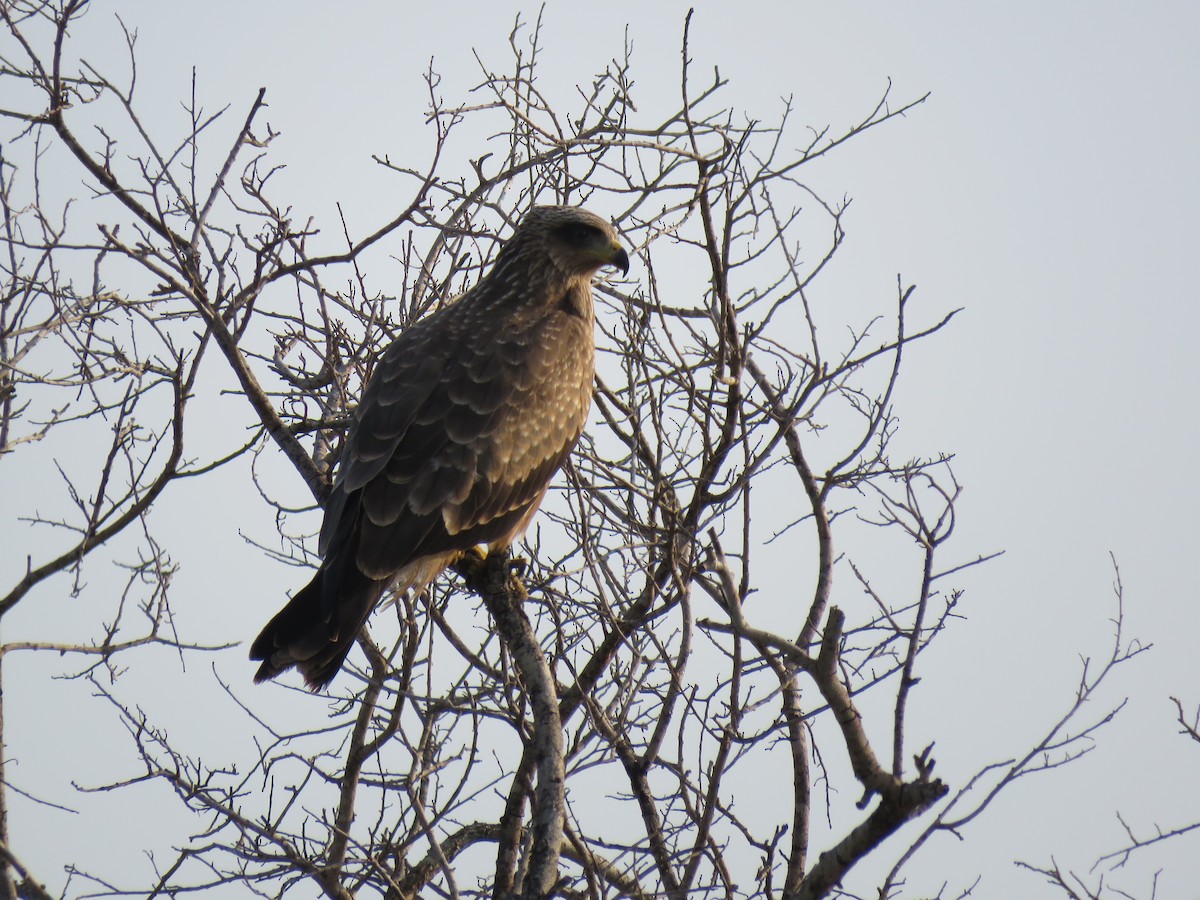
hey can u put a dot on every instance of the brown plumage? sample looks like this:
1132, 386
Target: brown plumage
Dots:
467, 416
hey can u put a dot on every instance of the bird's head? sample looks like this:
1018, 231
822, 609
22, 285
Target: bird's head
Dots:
576, 242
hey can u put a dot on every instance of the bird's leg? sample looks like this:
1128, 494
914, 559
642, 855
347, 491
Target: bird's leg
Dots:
470, 565
495, 571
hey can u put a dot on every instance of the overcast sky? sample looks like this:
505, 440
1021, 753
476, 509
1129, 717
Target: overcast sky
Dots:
1048, 186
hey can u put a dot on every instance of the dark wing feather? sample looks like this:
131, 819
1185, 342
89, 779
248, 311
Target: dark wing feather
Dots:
406, 376
477, 455
550, 393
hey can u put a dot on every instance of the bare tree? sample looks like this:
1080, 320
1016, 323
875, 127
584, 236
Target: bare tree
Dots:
673, 698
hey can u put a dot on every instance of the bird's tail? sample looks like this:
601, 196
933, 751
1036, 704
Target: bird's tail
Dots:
317, 627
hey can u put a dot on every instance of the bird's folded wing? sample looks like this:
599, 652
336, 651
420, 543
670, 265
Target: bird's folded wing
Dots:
474, 458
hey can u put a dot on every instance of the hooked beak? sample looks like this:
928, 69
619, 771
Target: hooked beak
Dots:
619, 258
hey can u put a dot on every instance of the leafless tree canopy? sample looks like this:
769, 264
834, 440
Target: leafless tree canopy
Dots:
696, 683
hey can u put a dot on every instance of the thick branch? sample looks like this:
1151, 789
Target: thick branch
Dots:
503, 594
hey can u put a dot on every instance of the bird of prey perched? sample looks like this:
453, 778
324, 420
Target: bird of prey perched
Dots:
465, 419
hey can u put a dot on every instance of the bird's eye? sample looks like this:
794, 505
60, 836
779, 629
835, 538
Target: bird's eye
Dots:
577, 234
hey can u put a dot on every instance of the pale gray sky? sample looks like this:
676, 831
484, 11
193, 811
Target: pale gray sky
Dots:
1048, 186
